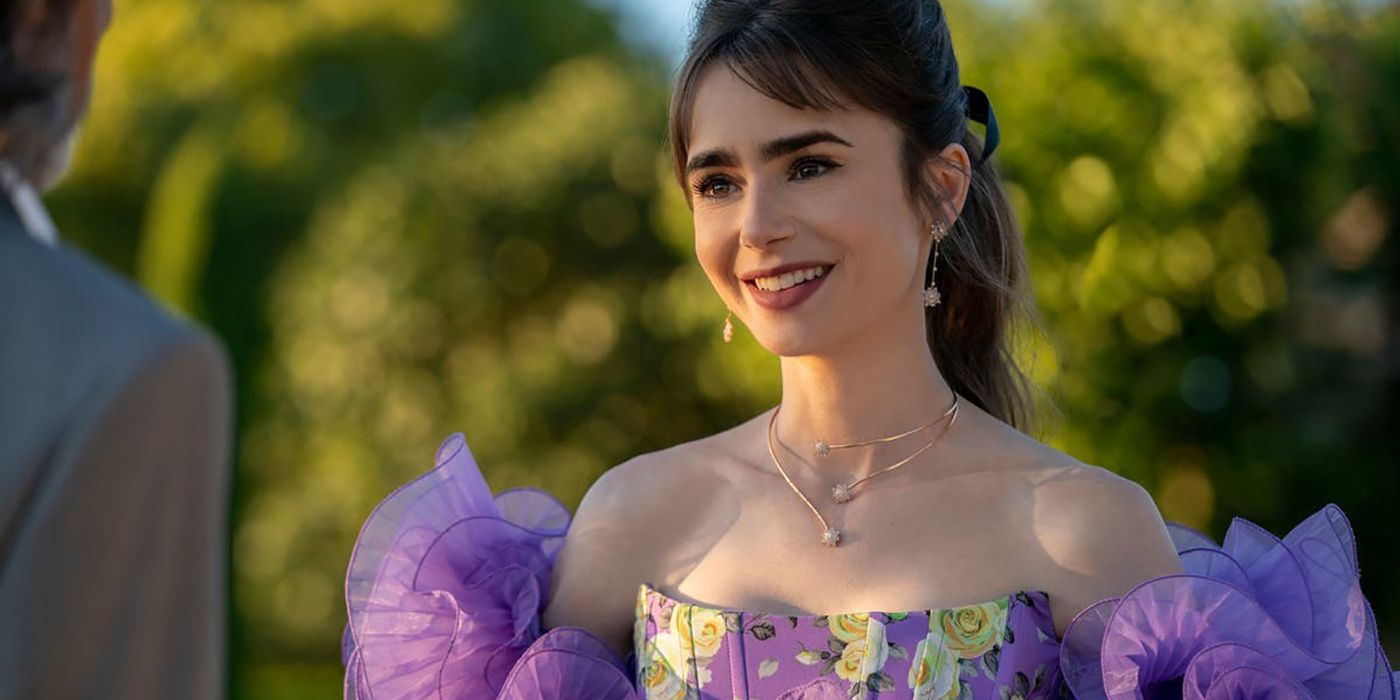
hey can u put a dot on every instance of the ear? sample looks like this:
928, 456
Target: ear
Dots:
950, 172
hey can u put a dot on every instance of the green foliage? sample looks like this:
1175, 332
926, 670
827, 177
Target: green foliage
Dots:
411, 219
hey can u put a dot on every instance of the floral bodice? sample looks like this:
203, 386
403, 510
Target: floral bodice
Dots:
1003, 649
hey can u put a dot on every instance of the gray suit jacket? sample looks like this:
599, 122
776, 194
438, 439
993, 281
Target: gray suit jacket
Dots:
114, 437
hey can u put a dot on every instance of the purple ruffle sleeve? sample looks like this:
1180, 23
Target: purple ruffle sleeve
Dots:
1256, 617
445, 590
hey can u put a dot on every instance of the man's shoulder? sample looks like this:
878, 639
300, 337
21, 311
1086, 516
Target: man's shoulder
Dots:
78, 334
61, 303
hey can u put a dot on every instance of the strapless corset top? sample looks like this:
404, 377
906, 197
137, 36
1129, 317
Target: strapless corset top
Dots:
1004, 648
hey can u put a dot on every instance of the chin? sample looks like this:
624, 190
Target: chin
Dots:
788, 342
52, 164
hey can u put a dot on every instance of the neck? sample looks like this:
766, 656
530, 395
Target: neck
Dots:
881, 383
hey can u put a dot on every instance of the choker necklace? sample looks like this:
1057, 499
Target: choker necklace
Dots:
824, 448
841, 493
844, 491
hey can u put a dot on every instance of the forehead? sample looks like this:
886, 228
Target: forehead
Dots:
728, 113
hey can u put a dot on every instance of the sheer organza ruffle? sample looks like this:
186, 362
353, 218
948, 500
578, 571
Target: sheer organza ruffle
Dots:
445, 590
447, 583
1255, 617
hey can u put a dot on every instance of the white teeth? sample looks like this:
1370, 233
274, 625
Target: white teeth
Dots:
788, 279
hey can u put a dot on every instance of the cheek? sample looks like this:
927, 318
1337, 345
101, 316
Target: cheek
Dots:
869, 213
715, 255
880, 238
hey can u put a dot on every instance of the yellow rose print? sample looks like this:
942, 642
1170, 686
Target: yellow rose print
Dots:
933, 674
973, 629
639, 624
700, 630
852, 659
849, 628
666, 648
660, 679
877, 652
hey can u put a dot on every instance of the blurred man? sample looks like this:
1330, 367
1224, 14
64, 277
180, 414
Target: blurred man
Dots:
114, 424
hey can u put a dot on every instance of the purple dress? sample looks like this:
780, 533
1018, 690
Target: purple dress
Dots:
447, 583
1003, 648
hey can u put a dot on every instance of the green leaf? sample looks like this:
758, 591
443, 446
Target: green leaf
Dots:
762, 630
731, 622
879, 681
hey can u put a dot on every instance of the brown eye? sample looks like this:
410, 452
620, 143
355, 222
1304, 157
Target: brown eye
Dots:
808, 168
713, 187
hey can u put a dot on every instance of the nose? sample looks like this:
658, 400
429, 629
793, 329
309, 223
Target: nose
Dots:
763, 221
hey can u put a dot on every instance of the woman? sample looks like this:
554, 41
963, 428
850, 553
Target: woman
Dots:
886, 530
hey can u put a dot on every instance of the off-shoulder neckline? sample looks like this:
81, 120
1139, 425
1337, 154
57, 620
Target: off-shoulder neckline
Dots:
1039, 599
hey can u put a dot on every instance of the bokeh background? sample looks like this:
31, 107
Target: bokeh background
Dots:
407, 219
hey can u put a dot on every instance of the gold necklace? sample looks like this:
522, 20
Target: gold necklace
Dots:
824, 448
831, 536
843, 491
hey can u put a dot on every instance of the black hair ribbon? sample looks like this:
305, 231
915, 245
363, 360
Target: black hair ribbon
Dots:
979, 109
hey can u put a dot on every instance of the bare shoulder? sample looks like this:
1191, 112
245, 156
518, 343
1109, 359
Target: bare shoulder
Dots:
1083, 510
1098, 507
620, 538
1100, 532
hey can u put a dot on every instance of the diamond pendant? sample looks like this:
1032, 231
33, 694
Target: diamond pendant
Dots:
822, 448
831, 537
841, 492
932, 297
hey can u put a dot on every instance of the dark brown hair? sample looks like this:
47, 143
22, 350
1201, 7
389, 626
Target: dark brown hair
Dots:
895, 58
21, 86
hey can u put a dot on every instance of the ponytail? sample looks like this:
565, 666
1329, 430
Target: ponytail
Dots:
985, 284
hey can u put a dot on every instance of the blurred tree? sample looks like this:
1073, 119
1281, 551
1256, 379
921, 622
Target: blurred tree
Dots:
405, 219
1208, 193
417, 218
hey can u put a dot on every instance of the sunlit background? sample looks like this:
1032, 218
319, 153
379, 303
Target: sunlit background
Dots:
407, 219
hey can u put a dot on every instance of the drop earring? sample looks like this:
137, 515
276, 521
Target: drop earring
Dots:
728, 327
931, 295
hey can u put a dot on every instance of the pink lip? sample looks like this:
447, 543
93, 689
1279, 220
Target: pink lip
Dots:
752, 275
786, 298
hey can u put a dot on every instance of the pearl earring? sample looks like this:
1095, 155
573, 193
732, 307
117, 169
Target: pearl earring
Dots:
728, 328
931, 295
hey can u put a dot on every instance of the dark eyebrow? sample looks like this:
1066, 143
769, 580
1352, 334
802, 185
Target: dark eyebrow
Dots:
797, 142
773, 149
717, 158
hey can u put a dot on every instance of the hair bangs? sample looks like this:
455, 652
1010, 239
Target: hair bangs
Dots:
775, 64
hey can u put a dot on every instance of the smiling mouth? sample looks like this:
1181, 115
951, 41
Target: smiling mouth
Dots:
788, 280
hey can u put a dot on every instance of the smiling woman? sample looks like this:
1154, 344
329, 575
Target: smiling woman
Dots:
825, 152
916, 159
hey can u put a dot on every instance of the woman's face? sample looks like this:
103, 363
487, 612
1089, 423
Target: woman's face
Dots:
773, 186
